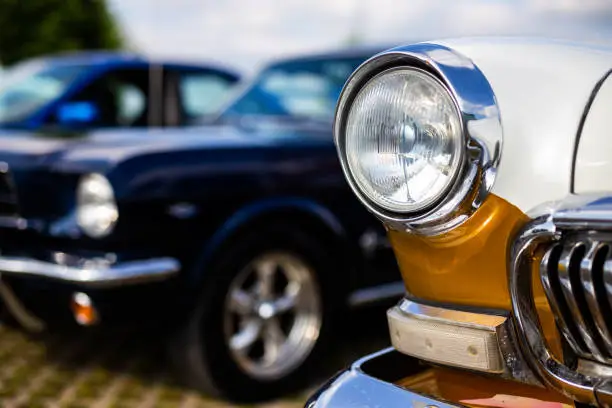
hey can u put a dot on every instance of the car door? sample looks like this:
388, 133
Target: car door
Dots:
119, 97
191, 93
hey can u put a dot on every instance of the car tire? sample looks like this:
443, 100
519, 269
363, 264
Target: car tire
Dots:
218, 356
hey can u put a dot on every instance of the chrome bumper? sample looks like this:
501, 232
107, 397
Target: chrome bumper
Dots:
359, 386
92, 274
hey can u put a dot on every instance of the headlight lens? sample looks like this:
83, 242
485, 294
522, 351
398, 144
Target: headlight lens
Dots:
403, 140
97, 211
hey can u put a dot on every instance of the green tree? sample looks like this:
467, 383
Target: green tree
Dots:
34, 27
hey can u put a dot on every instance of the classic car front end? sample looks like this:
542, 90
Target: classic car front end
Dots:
488, 162
59, 226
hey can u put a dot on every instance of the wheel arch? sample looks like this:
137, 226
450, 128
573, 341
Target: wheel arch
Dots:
309, 215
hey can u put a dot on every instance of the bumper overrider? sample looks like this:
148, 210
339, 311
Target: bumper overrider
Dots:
569, 249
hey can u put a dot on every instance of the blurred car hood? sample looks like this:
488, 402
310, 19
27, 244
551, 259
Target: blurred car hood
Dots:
101, 149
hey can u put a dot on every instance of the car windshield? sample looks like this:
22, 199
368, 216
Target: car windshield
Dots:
27, 87
302, 88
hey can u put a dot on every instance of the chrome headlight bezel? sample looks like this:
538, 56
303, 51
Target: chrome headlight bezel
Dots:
102, 208
480, 121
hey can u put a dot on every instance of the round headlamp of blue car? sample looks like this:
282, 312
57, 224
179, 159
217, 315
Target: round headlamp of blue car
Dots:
97, 211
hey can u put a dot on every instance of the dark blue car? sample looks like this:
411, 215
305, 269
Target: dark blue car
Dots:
240, 231
109, 90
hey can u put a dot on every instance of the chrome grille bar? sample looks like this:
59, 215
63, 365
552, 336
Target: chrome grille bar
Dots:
553, 233
591, 269
607, 292
572, 280
552, 286
569, 276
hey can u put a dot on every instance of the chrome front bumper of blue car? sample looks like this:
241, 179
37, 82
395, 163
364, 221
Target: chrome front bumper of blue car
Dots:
93, 273
369, 383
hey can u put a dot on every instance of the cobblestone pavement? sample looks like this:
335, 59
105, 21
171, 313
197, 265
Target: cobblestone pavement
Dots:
104, 370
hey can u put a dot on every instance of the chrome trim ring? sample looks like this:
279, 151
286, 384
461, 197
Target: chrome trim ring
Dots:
481, 122
588, 383
273, 315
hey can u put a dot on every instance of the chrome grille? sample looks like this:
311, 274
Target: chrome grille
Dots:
576, 274
573, 237
8, 195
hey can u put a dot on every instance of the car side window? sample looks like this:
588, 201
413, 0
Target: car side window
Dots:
203, 93
131, 103
118, 98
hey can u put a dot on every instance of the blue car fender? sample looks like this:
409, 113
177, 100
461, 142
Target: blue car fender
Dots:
256, 211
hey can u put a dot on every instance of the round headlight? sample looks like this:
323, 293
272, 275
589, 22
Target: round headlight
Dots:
97, 211
403, 140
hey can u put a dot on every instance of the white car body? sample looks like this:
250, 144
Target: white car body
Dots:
543, 89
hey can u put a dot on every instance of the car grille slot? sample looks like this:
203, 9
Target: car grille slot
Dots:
577, 278
8, 195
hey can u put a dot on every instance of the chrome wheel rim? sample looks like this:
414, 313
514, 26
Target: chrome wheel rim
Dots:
272, 317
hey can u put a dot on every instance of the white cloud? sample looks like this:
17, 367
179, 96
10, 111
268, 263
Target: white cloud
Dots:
246, 32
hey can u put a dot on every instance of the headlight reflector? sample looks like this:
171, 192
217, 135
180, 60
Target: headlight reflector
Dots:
403, 140
97, 211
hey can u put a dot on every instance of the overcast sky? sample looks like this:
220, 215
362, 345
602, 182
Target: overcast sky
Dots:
247, 32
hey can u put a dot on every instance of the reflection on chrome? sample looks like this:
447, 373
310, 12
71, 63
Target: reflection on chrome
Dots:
589, 382
369, 383
480, 117
96, 273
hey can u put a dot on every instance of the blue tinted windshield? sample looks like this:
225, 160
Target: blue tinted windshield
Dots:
305, 88
29, 86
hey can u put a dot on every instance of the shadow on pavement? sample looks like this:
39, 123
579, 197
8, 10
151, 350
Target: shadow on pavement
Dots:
128, 368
